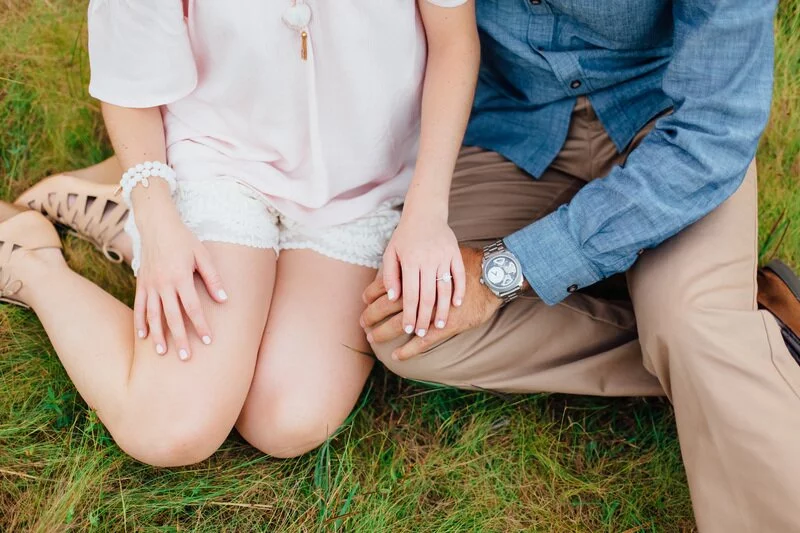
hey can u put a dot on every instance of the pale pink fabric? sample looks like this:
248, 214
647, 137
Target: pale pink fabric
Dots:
326, 140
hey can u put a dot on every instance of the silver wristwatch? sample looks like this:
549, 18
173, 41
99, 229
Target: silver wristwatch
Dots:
501, 272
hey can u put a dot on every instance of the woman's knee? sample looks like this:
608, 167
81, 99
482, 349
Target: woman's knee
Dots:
175, 418
172, 441
289, 428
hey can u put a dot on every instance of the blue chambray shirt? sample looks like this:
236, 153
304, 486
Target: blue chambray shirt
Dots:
710, 60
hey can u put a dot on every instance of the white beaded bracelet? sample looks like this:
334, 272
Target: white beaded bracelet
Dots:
141, 174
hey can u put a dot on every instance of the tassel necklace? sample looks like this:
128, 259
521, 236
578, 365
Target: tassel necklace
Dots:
297, 17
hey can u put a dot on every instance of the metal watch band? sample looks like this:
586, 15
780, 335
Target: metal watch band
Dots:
493, 248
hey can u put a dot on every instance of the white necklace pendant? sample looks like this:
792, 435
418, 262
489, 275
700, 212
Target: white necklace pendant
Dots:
297, 17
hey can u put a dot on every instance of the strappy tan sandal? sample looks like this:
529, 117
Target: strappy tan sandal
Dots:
25, 231
90, 211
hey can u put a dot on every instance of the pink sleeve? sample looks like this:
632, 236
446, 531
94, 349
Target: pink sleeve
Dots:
139, 52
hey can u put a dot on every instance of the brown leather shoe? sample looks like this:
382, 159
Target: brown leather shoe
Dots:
779, 293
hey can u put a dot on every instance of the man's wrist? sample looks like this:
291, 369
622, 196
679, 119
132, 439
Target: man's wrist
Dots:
526, 287
501, 272
473, 263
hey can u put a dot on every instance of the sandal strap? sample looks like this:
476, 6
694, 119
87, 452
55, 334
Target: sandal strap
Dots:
97, 219
8, 285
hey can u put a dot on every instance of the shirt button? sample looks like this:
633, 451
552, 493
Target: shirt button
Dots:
575, 84
640, 252
536, 2
572, 288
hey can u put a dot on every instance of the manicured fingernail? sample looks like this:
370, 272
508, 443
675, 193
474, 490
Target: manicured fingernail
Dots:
440, 324
206, 340
391, 295
458, 302
421, 332
183, 355
409, 329
369, 337
222, 295
160, 349
141, 333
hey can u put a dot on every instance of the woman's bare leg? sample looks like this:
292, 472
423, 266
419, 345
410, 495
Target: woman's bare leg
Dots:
106, 172
159, 409
311, 367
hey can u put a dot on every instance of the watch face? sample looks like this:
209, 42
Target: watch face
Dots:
501, 272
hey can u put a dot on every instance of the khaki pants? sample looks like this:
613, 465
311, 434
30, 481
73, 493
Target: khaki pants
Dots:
686, 326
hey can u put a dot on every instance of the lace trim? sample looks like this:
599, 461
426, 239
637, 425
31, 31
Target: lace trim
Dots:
229, 212
333, 254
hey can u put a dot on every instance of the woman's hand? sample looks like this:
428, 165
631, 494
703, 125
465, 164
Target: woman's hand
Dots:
170, 256
424, 249
170, 253
382, 319
424, 252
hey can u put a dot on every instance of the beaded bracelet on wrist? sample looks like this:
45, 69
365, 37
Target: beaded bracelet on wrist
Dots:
141, 174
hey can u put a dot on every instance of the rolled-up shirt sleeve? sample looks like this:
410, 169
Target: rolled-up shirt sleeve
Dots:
720, 80
139, 52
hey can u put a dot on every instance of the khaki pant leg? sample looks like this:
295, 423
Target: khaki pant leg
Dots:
726, 369
583, 345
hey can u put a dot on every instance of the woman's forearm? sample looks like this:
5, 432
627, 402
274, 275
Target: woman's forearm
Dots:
138, 136
449, 88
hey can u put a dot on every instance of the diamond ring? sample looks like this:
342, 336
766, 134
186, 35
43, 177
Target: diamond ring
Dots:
447, 278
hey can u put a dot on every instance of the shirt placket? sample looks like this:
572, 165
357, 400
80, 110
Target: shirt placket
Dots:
541, 24
565, 65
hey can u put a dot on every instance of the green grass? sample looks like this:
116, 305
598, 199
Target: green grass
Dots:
411, 458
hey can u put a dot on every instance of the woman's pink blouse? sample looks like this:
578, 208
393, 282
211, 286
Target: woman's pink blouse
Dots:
326, 140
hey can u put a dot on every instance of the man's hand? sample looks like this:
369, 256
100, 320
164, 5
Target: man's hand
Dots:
383, 319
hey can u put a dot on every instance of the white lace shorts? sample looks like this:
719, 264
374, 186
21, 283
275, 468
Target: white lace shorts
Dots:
227, 211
